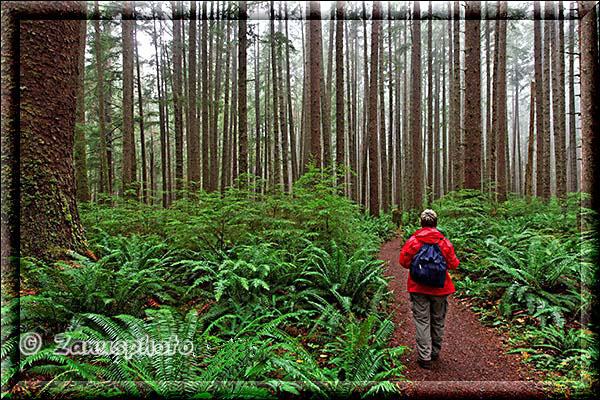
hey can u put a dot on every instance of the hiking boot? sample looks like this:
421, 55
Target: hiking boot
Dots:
434, 357
426, 364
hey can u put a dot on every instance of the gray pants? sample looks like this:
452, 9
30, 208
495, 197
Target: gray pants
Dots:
430, 313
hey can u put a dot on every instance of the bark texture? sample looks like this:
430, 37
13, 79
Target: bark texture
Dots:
49, 51
473, 97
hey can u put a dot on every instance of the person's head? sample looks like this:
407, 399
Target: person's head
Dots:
428, 218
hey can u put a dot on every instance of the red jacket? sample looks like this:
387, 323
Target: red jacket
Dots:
412, 246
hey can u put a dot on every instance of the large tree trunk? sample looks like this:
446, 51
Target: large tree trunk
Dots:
314, 43
415, 125
429, 108
473, 97
353, 134
456, 146
573, 175
214, 162
539, 96
104, 173
390, 136
177, 100
79, 148
193, 137
326, 97
127, 170
398, 129
294, 152
48, 57
529, 167
383, 160
544, 171
590, 87
257, 165
276, 115
365, 148
242, 101
372, 117
225, 161
500, 128
558, 102
339, 87
488, 97
437, 146
406, 138
444, 147
282, 119
141, 113
163, 150
205, 83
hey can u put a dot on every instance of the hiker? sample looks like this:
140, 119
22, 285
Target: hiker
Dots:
429, 256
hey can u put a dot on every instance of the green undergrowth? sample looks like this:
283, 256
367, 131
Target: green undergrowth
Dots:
527, 269
276, 294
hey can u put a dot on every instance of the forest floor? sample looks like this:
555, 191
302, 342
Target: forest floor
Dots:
472, 362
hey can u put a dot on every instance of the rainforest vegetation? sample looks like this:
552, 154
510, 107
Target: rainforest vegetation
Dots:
223, 175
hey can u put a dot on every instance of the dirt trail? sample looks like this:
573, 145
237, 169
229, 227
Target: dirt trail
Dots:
472, 362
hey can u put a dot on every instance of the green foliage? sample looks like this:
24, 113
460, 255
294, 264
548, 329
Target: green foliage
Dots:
256, 281
346, 280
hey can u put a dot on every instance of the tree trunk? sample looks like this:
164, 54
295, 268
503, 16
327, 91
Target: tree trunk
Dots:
294, 152
544, 171
429, 186
444, 147
326, 98
558, 102
398, 129
437, 146
163, 145
282, 119
529, 167
49, 226
456, 146
216, 101
539, 96
127, 170
242, 102
588, 42
275, 99
79, 148
257, 165
365, 148
500, 128
141, 113
473, 97
390, 147
104, 174
339, 87
415, 125
314, 43
488, 102
573, 175
406, 138
177, 100
205, 98
383, 160
353, 132
225, 161
372, 117
193, 138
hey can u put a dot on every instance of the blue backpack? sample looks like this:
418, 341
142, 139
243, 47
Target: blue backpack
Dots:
428, 266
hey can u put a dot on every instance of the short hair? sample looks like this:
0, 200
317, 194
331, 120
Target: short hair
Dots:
428, 218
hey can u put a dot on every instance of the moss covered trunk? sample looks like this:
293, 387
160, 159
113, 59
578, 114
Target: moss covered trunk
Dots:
49, 61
